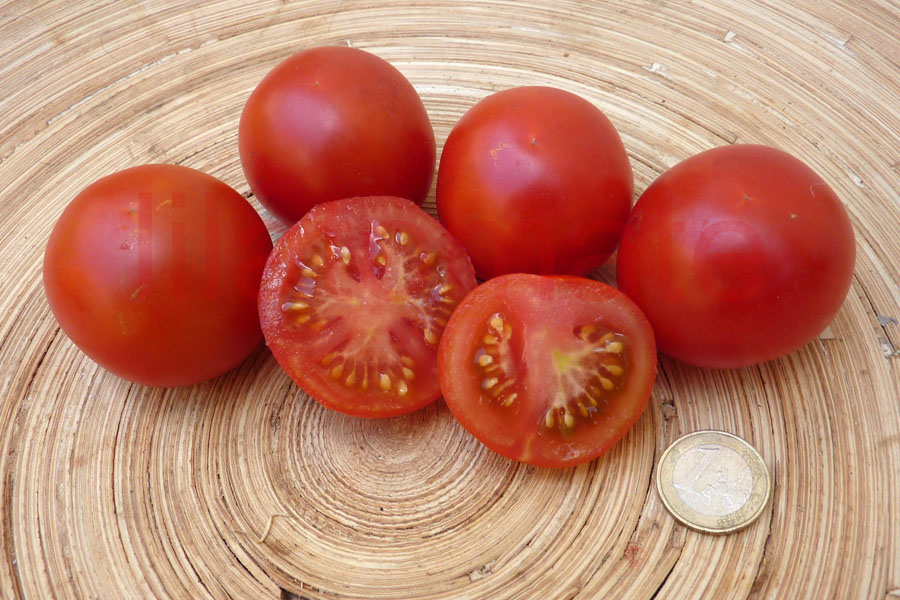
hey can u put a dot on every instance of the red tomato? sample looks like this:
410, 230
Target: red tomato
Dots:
331, 123
355, 298
153, 272
738, 255
534, 179
550, 371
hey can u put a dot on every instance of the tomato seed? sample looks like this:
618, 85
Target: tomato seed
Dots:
501, 388
384, 382
614, 370
489, 383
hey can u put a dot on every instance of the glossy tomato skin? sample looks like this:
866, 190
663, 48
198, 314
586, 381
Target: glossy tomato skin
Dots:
331, 123
545, 321
737, 256
153, 273
535, 180
354, 299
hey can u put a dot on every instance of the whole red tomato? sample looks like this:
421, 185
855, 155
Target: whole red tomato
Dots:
534, 179
738, 255
154, 271
332, 123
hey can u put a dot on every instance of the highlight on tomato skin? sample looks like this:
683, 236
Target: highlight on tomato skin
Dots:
355, 298
737, 255
547, 370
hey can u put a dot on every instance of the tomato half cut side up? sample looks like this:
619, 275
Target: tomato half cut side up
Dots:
355, 298
550, 371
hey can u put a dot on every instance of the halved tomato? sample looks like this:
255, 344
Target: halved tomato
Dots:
550, 371
354, 299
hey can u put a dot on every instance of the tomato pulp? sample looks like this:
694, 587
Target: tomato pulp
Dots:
355, 298
153, 272
331, 123
535, 180
738, 255
550, 371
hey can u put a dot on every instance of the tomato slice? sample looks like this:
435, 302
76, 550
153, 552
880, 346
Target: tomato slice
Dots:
550, 371
355, 298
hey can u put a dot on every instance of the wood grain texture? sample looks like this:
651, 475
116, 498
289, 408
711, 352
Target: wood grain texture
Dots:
243, 487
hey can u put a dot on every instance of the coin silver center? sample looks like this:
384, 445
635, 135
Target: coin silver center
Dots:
713, 480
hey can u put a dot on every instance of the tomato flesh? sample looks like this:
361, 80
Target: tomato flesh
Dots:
354, 301
550, 371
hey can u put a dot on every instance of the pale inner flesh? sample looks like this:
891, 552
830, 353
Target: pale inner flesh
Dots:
378, 307
574, 373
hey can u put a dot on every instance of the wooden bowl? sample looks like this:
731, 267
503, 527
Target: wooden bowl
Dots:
243, 487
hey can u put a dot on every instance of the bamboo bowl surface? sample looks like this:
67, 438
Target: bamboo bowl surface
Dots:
243, 487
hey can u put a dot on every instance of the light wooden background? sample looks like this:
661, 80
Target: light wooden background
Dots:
244, 488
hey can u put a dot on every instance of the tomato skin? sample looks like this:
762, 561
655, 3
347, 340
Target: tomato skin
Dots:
535, 180
737, 256
153, 273
374, 313
542, 311
331, 123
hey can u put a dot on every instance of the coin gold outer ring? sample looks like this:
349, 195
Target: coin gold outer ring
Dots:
759, 496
